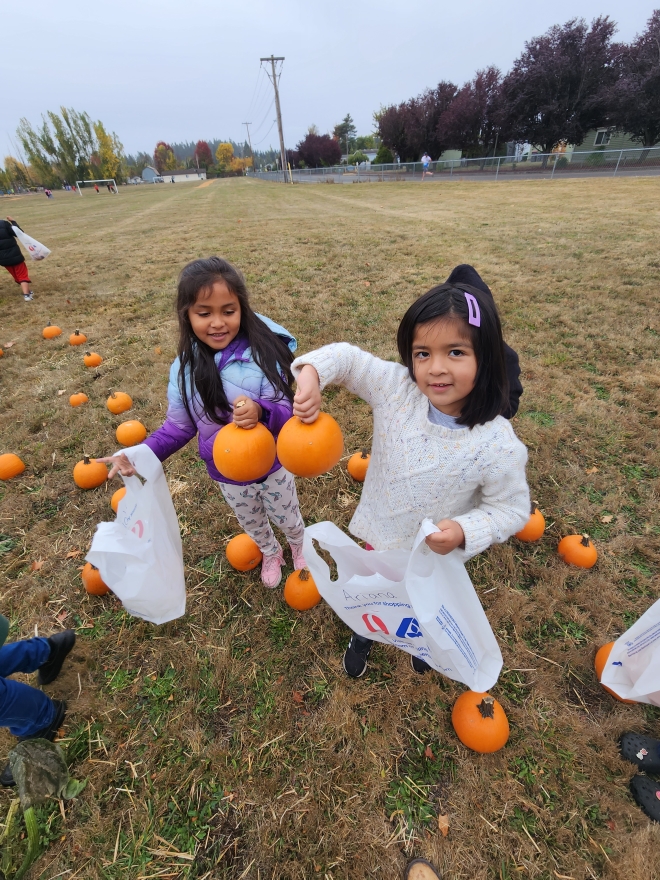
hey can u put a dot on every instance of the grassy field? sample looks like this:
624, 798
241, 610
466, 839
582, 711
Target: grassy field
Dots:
229, 744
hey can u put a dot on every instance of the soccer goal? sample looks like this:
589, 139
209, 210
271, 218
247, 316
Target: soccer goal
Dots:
87, 183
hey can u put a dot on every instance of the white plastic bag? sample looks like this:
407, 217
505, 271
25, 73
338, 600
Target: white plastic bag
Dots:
139, 554
633, 668
35, 249
418, 601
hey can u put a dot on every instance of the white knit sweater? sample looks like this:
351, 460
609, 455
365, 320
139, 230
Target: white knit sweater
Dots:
417, 469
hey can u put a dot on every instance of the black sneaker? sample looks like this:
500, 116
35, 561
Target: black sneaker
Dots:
60, 645
356, 656
419, 666
49, 733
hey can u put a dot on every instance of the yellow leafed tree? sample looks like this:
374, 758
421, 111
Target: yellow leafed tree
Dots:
109, 151
223, 155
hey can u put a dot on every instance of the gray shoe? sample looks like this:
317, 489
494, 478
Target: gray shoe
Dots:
28, 297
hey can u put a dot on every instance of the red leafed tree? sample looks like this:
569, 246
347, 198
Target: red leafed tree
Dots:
319, 150
411, 128
471, 121
203, 154
164, 157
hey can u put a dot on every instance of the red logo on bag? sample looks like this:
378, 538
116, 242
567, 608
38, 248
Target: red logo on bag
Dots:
138, 528
374, 623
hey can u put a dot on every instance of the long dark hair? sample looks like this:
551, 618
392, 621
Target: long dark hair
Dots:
270, 351
490, 396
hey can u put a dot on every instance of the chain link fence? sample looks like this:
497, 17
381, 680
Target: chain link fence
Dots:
598, 162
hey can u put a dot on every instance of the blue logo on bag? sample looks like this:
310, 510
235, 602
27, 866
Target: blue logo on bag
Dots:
408, 628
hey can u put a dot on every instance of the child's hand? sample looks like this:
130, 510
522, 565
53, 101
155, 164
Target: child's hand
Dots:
120, 465
246, 412
307, 400
449, 538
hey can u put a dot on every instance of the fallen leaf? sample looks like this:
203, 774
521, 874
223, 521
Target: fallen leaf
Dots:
10, 344
367, 264
158, 349
62, 616
443, 825
429, 754
170, 699
61, 392
72, 554
591, 470
367, 283
37, 565
606, 519
611, 824
297, 697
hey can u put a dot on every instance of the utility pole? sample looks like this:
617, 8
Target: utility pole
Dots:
273, 78
247, 126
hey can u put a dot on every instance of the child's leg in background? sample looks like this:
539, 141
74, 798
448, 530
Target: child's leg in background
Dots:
248, 505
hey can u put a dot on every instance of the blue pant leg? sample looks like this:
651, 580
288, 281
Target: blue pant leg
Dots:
24, 656
24, 709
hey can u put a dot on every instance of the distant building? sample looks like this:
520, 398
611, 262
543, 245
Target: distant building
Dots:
182, 175
605, 139
149, 174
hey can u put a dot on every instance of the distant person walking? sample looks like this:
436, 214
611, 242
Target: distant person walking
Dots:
96, 187
426, 164
11, 257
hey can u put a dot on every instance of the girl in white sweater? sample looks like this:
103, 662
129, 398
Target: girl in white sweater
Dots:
441, 448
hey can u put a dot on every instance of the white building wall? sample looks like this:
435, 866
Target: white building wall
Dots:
184, 178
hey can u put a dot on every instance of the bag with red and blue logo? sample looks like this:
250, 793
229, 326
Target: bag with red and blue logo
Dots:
416, 600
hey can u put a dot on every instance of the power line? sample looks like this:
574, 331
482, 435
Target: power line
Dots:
266, 115
267, 133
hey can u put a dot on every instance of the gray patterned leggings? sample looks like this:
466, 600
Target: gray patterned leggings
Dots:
275, 498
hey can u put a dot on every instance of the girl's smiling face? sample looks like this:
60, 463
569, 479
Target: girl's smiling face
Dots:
444, 363
215, 317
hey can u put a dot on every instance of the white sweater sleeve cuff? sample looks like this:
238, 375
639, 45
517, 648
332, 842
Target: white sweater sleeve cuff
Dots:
323, 362
478, 532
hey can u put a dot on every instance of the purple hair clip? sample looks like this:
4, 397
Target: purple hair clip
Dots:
474, 315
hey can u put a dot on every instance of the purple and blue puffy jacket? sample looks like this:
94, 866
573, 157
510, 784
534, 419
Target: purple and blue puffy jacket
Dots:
241, 376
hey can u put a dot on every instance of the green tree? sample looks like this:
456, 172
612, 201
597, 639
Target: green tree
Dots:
365, 142
223, 156
384, 156
345, 132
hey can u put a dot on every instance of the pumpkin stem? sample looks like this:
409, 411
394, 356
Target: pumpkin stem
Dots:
94, 568
77, 333
487, 707
87, 353
585, 540
48, 324
535, 507
86, 459
365, 453
304, 574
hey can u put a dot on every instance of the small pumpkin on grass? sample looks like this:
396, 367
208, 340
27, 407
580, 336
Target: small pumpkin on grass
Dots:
578, 550
130, 433
309, 450
119, 402
89, 473
2, 354
78, 399
77, 338
243, 554
50, 331
358, 464
10, 466
116, 498
91, 578
601, 658
300, 591
92, 359
534, 527
480, 722
244, 454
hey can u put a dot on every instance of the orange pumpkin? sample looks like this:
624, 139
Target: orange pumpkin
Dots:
578, 550
116, 498
243, 553
50, 331
77, 338
534, 527
244, 454
480, 722
600, 660
10, 466
78, 399
92, 359
119, 402
89, 473
91, 578
310, 450
358, 464
300, 590
2, 354
130, 433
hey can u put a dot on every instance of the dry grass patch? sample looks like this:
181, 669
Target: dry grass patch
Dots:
232, 735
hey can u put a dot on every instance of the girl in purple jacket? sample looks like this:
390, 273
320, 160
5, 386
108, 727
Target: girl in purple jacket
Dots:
233, 365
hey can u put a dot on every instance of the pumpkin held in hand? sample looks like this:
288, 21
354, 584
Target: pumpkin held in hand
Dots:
10, 466
130, 433
50, 331
91, 578
578, 550
358, 464
89, 473
602, 655
116, 498
244, 454
77, 338
119, 402
310, 450
78, 399
92, 359
243, 553
480, 722
534, 527
300, 590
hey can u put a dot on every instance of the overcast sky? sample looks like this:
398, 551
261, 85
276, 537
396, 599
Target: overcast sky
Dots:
170, 71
